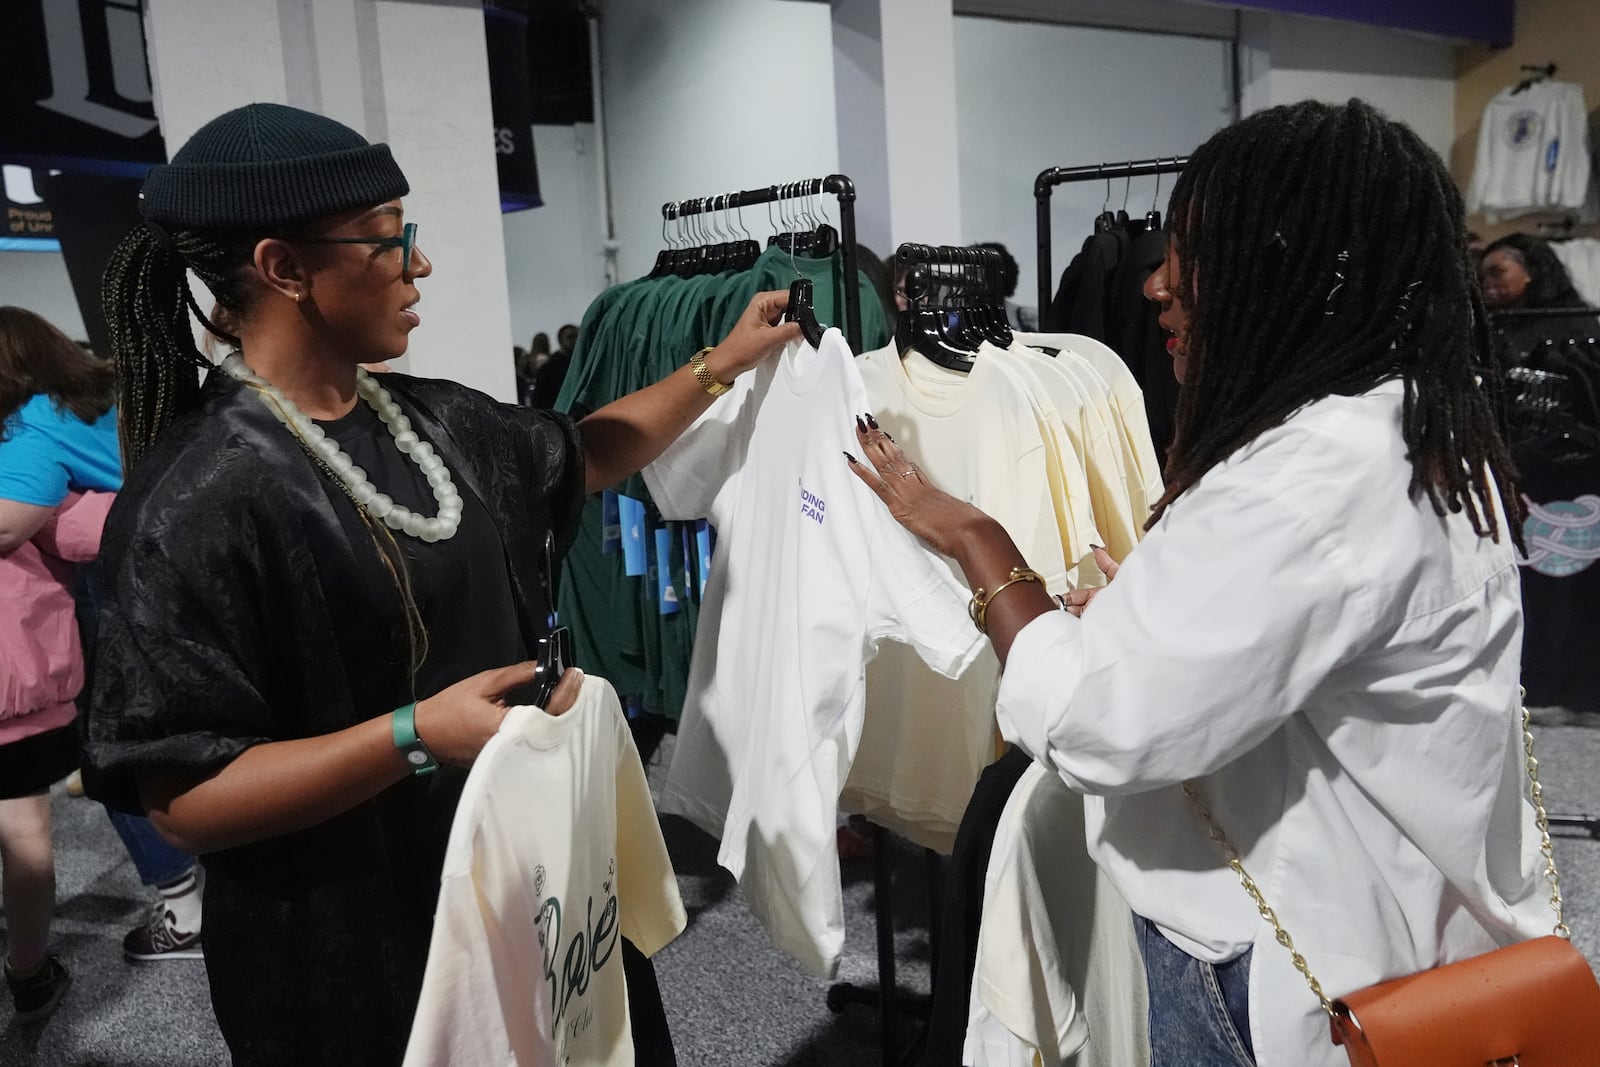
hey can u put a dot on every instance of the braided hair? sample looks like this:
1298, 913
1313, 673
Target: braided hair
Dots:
1322, 250
147, 303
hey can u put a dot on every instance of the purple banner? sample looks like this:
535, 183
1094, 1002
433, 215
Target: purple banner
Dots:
1489, 21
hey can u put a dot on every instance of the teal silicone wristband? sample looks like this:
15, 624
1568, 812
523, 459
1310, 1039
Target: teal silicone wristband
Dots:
404, 722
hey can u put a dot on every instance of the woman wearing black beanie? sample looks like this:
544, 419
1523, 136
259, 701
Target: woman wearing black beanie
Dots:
322, 580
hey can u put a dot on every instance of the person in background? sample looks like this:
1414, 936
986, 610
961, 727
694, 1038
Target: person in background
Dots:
552, 374
56, 404
1520, 271
539, 352
1020, 317
1316, 648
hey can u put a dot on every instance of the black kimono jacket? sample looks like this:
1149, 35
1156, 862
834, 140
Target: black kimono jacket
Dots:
239, 611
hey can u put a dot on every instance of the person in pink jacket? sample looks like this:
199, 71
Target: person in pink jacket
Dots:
59, 470
41, 673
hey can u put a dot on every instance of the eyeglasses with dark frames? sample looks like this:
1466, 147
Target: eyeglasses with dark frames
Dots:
405, 242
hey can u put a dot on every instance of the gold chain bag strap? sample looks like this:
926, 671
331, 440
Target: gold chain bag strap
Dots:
1532, 1004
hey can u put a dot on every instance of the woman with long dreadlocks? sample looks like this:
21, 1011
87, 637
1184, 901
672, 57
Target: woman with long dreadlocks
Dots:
1320, 634
302, 549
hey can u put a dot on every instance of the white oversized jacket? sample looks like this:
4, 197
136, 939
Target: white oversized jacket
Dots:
1337, 666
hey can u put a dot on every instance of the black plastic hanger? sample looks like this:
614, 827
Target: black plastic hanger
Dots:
928, 327
802, 310
554, 653
1152, 218
1536, 74
1106, 220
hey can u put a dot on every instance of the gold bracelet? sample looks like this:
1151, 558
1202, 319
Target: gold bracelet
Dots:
703, 375
978, 609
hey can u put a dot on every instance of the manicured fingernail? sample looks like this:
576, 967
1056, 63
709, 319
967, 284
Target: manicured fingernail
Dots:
872, 421
848, 458
1098, 548
861, 424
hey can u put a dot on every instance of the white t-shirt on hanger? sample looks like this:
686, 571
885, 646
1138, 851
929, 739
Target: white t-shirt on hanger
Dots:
810, 573
1533, 152
555, 854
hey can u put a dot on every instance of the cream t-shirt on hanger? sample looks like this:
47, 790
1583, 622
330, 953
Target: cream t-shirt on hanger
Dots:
978, 436
1059, 977
1126, 400
554, 855
810, 573
1088, 439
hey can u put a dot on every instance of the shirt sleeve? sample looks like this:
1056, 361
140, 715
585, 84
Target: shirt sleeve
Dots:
647, 889
171, 693
1219, 628
31, 467
559, 468
916, 599
697, 473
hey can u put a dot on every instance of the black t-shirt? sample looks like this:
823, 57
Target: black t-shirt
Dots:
461, 586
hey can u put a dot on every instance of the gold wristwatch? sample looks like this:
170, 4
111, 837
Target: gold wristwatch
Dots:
703, 375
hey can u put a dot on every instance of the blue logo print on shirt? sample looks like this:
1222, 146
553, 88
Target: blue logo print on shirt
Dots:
1522, 129
1551, 154
812, 506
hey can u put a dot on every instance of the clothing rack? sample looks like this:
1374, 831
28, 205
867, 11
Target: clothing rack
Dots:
886, 996
835, 185
1589, 824
1044, 185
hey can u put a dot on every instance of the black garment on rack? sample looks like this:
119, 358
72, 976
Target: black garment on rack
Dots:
963, 910
1085, 301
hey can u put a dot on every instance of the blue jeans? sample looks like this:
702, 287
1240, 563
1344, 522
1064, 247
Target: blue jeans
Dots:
1199, 1011
156, 861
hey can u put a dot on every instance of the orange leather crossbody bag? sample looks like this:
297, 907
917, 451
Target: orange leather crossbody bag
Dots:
1532, 1004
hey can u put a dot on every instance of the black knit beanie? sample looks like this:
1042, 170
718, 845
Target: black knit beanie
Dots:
265, 165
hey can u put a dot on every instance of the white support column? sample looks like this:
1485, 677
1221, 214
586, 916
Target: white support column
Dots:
858, 101
435, 88
895, 95
413, 73
919, 97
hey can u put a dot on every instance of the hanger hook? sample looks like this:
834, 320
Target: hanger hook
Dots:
1155, 201
1127, 188
1106, 206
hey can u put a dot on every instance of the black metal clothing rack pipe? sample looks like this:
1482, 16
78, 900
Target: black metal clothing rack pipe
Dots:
836, 185
1044, 185
1543, 313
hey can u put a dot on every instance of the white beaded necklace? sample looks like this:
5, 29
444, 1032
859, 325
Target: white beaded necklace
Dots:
442, 527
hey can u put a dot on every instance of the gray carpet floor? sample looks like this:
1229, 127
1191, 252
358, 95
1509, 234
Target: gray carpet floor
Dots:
732, 999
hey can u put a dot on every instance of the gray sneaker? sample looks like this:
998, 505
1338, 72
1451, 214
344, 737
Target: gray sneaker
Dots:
158, 939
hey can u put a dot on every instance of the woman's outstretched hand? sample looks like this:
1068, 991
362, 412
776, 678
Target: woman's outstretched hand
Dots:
935, 516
